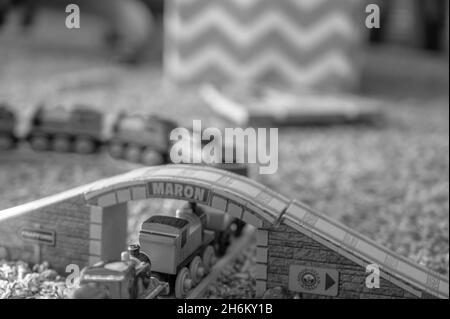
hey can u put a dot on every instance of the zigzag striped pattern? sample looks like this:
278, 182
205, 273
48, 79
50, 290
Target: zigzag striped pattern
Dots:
312, 43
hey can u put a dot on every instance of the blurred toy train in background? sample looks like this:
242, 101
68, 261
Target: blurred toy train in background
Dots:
60, 130
136, 138
175, 252
141, 139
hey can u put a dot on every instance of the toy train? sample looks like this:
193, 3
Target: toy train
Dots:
141, 139
59, 130
135, 138
175, 252
129, 278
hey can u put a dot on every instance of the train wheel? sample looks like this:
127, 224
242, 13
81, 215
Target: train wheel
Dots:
183, 283
152, 158
39, 142
84, 145
196, 269
6, 142
116, 149
209, 258
61, 144
133, 153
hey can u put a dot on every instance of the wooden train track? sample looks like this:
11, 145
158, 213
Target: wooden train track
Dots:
18, 155
27, 155
24, 154
234, 251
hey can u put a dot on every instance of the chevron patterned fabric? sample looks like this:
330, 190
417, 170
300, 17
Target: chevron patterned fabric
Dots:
310, 43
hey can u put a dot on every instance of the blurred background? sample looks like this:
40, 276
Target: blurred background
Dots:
388, 181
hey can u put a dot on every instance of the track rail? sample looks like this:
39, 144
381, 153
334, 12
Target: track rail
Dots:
236, 248
16, 155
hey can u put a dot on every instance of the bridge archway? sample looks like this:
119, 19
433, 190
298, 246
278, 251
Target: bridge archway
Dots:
238, 196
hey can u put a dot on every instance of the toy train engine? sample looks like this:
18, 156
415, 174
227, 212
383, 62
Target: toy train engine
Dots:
129, 278
223, 225
141, 139
58, 129
8, 139
180, 247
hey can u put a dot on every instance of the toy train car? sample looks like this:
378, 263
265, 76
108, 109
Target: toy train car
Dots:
141, 139
129, 278
180, 248
8, 139
184, 246
60, 130
224, 226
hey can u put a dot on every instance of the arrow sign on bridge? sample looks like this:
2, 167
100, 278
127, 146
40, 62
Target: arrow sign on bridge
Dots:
329, 281
313, 280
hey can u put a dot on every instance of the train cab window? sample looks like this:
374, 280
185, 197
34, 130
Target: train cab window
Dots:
183, 238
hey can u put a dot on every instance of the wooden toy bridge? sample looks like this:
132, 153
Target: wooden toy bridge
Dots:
90, 223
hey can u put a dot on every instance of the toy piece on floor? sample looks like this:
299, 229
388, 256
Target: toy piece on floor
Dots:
240, 169
57, 129
8, 139
129, 278
272, 107
194, 149
141, 139
234, 167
